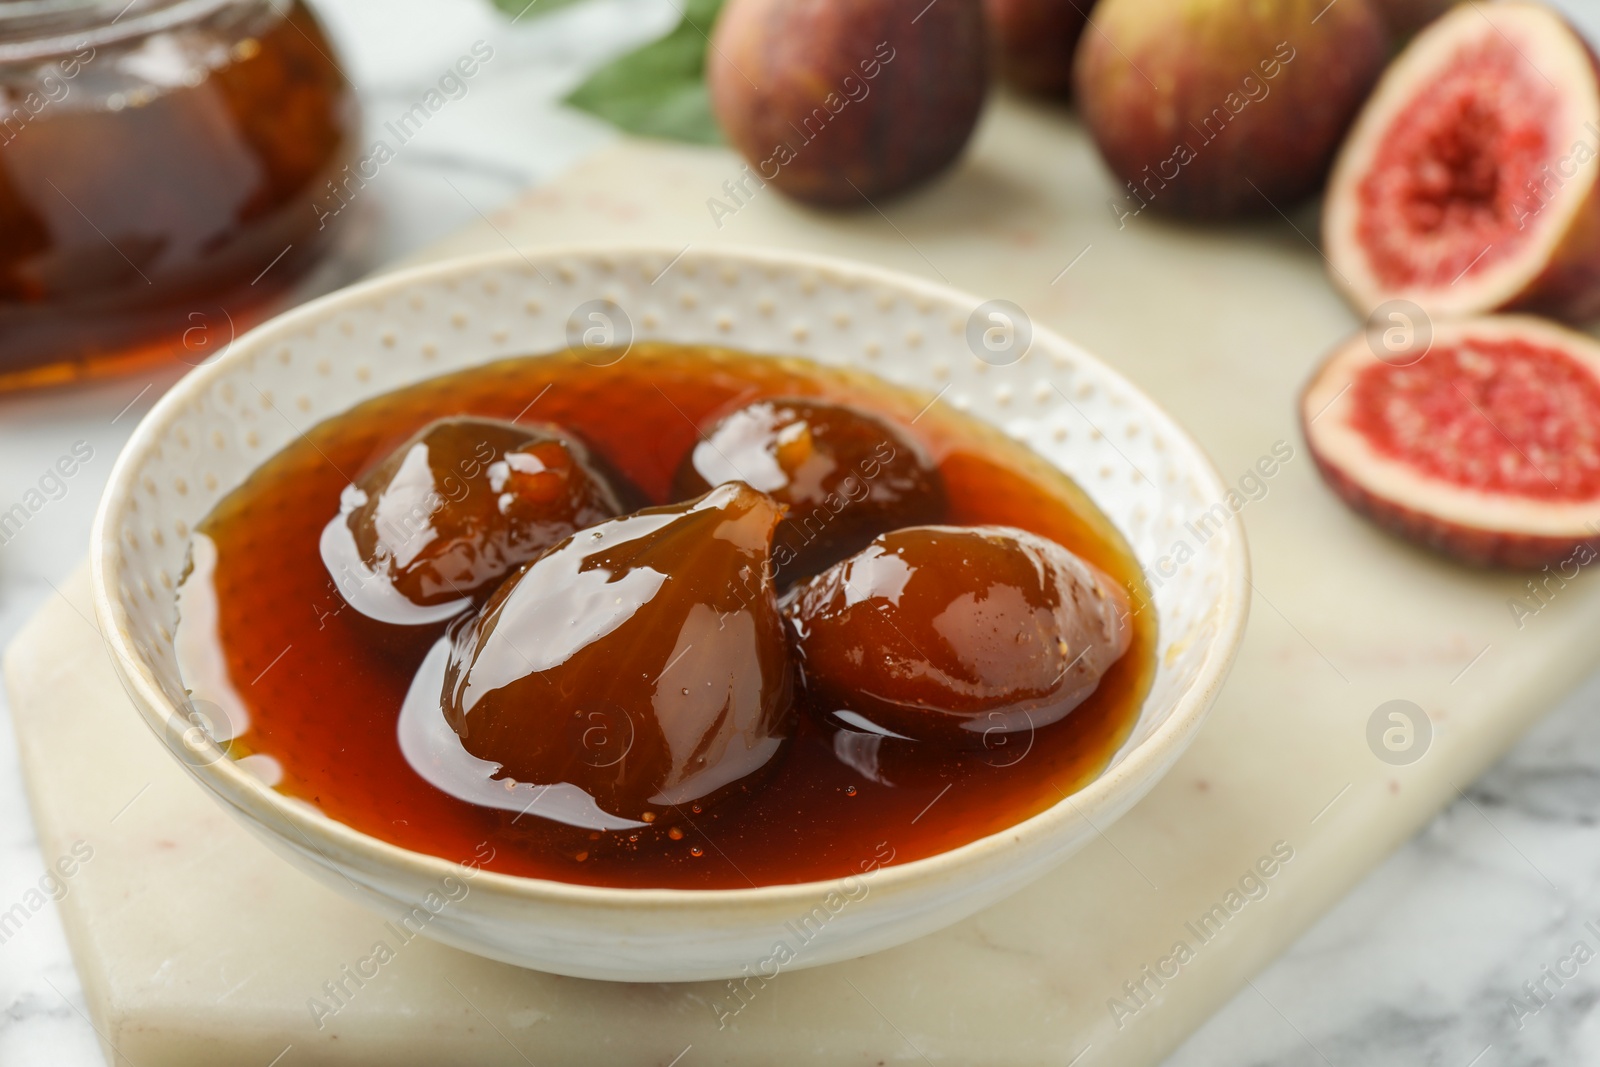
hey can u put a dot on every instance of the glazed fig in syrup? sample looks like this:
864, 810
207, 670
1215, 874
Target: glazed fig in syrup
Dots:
950, 633
643, 660
846, 476
327, 687
456, 508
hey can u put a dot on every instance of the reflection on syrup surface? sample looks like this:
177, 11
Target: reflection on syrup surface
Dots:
328, 684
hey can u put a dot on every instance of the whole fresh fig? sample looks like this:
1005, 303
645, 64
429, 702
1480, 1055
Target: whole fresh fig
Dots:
833, 101
1034, 41
1405, 17
1217, 108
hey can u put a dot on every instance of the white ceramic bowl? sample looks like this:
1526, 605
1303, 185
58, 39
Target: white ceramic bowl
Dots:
224, 419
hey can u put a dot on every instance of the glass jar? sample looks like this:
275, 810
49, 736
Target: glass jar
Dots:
160, 169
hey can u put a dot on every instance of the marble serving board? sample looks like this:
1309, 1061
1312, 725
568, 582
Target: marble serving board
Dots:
196, 945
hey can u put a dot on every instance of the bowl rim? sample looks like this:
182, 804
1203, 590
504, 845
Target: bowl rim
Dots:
1141, 766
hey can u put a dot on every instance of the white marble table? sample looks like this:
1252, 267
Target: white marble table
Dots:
1414, 967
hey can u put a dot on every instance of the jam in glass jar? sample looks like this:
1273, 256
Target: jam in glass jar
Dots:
162, 165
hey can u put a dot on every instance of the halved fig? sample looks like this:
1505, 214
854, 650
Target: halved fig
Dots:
1471, 180
1486, 447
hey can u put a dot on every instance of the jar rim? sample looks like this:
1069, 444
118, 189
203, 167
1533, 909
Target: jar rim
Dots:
41, 29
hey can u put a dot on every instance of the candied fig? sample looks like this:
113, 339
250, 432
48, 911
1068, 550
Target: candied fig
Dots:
951, 633
642, 660
456, 508
839, 102
846, 476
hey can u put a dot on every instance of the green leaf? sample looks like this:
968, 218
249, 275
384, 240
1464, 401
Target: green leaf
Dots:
659, 90
520, 9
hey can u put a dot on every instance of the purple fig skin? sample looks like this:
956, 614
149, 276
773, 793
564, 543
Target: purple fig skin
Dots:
1213, 109
1406, 17
838, 102
1034, 41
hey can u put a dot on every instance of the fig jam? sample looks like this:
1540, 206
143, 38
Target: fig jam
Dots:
160, 178
322, 686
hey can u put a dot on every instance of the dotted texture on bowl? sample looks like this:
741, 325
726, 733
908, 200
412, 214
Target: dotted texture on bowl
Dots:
302, 368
